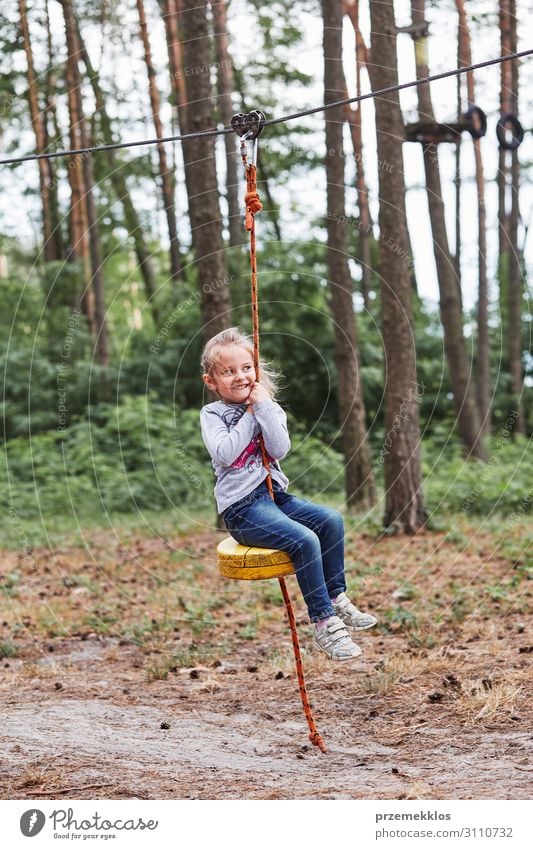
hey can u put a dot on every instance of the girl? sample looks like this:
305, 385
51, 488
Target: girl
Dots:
311, 534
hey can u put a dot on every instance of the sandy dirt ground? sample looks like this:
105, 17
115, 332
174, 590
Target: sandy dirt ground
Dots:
106, 695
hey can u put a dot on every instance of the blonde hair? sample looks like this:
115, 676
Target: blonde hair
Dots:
268, 377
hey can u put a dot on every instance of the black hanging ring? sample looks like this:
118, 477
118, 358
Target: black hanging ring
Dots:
509, 122
249, 124
477, 121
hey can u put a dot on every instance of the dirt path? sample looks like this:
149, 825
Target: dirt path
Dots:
91, 749
91, 715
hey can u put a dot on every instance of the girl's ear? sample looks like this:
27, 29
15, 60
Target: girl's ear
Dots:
207, 379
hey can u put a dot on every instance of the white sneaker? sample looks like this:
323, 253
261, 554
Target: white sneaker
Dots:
334, 639
351, 616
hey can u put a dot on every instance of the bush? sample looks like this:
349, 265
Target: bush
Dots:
143, 455
137, 455
312, 466
501, 485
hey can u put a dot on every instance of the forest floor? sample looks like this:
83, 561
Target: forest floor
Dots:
132, 669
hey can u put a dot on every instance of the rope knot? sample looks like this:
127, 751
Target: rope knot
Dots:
253, 205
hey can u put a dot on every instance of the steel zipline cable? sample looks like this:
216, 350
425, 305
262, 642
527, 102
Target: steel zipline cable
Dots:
269, 123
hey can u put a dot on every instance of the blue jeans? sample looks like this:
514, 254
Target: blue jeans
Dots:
311, 534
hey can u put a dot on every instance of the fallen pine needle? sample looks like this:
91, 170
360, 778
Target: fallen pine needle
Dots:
70, 789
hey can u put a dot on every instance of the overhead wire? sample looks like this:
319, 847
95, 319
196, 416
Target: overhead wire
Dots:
272, 121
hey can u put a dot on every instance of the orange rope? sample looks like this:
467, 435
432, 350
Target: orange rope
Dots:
314, 735
253, 206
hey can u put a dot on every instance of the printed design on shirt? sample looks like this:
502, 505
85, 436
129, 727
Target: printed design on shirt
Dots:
232, 416
251, 458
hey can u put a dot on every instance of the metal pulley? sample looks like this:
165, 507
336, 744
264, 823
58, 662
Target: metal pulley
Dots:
248, 125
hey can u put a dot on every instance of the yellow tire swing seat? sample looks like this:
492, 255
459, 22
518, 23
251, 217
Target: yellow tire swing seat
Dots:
249, 563
252, 563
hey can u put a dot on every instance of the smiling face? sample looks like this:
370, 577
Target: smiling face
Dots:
233, 374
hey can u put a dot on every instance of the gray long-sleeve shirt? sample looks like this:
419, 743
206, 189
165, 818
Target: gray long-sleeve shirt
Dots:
231, 436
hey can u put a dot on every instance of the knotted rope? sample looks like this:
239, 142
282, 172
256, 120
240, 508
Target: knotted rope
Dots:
253, 206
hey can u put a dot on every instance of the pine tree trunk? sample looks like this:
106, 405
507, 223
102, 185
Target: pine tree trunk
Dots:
364, 228
404, 509
78, 221
50, 119
167, 180
97, 282
118, 181
458, 146
509, 265
483, 338
91, 235
200, 168
355, 119
40, 138
450, 301
506, 84
515, 283
226, 87
483, 383
514, 339
169, 11
360, 487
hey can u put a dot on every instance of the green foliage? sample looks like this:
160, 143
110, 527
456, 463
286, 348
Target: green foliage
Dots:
7, 649
31, 397
142, 456
61, 282
8, 584
312, 466
400, 618
297, 337
134, 456
503, 485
